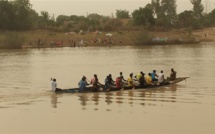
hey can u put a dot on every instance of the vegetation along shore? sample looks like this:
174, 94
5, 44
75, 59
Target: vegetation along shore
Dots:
151, 24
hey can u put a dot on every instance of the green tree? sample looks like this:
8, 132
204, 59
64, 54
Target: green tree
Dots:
45, 16
144, 16
122, 14
197, 13
169, 10
94, 16
73, 17
185, 18
165, 12
6, 14
34, 17
212, 16
157, 9
209, 19
198, 9
61, 19
23, 9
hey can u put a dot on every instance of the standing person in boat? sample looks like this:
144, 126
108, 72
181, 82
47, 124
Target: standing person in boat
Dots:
130, 80
149, 79
54, 85
173, 74
161, 78
154, 76
82, 84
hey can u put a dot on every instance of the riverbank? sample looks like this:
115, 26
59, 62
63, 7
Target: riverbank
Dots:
45, 38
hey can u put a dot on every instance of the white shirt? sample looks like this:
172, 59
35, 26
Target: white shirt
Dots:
53, 86
160, 77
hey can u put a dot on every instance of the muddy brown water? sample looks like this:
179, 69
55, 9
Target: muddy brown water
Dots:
27, 106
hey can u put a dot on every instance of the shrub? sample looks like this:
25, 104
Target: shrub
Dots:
12, 40
143, 38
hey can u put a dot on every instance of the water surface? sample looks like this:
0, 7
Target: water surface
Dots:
26, 106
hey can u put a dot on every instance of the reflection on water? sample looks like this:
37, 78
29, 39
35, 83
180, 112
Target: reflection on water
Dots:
108, 98
143, 97
54, 100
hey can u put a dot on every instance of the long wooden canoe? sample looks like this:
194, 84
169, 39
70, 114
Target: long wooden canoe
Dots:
113, 88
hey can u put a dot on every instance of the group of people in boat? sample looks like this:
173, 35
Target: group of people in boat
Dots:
143, 80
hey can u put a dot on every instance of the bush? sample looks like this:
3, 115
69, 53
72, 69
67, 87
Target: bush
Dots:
143, 38
12, 40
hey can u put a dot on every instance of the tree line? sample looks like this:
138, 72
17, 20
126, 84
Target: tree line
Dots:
19, 15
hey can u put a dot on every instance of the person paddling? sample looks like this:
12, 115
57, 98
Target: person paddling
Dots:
120, 81
121, 76
82, 84
130, 80
110, 80
96, 84
154, 76
149, 79
139, 75
107, 85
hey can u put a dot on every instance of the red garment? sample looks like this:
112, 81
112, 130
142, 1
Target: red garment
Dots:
118, 82
92, 81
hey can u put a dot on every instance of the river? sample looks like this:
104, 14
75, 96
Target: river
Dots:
27, 106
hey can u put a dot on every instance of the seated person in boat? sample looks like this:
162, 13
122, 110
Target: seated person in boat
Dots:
107, 85
122, 78
110, 80
173, 74
93, 79
149, 79
96, 84
54, 85
154, 76
142, 80
82, 84
139, 75
120, 81
130, 80
161, 78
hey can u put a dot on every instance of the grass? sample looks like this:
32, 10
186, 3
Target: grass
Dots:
11, 40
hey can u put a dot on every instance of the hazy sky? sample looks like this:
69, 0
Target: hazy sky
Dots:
102, 7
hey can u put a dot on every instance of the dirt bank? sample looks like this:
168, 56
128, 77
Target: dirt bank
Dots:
44, 38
